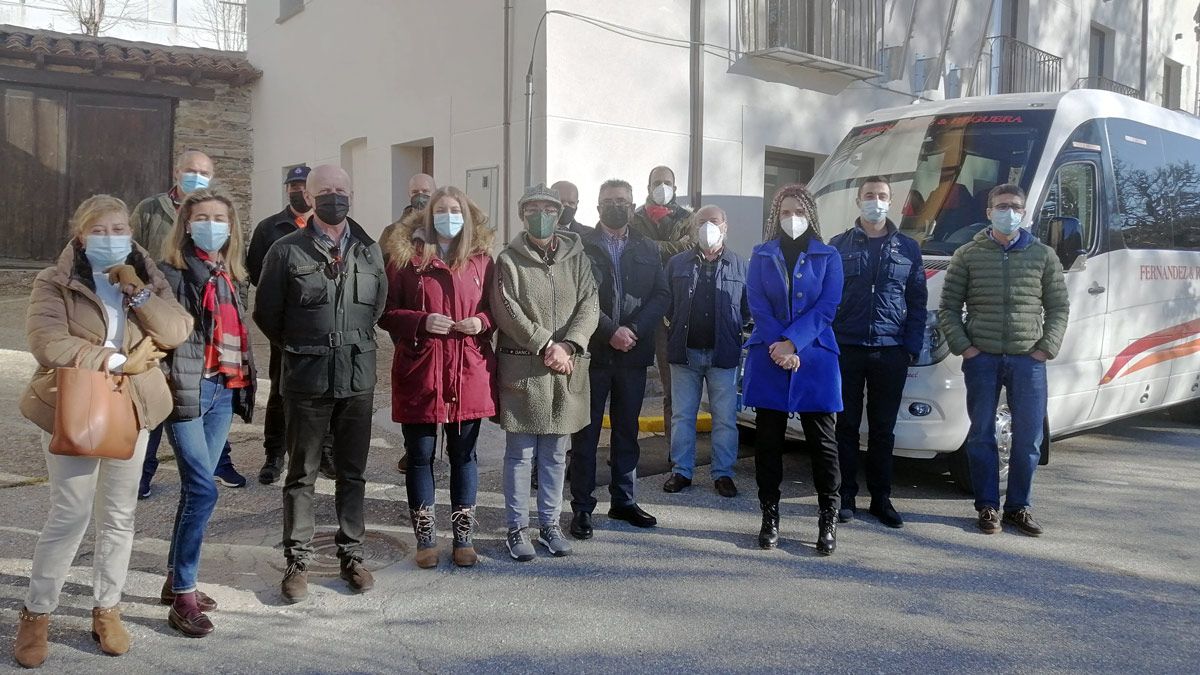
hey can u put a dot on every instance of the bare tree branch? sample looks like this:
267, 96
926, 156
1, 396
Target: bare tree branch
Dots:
96, 17
225, 22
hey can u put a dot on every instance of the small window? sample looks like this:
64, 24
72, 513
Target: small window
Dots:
781, 169
1072, 194
1172, 85
288, 9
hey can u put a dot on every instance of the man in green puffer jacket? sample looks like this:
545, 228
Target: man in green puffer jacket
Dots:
1015, 319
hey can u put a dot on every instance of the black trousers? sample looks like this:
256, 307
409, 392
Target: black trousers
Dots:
308, 421
819, 439
274, 423
882, 371
627, 387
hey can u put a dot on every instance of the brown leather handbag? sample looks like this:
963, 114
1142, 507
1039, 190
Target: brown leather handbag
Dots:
94, 415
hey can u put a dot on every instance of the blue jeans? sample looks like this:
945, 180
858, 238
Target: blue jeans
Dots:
150, 464
198, 444
1024, 380
686, 382
420, 442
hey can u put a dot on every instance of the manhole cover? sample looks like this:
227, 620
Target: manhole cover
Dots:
379, 551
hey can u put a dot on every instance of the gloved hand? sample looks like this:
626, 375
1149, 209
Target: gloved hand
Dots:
126, 277
145, 355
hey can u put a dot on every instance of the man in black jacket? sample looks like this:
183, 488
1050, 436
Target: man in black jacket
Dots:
633, 299
293, 217
321, 291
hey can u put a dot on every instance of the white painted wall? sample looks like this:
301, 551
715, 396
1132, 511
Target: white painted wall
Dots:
400, 72
169, 22
403, 74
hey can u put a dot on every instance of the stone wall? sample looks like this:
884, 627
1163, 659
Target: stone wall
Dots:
221, 129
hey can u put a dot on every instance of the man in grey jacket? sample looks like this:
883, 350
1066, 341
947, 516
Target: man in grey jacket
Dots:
321, 291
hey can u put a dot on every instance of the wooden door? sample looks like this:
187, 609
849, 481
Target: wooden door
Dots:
58, 148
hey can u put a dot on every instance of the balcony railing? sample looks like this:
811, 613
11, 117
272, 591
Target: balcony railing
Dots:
1009, 66
824, 34
1098, 82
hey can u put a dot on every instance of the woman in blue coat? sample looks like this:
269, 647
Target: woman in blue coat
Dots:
794, 286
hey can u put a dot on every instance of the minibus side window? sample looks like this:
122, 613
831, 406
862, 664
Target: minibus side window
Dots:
1183, 167
1143, 181
1072, 194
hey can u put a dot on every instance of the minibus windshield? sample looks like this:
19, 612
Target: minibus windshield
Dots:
941, 168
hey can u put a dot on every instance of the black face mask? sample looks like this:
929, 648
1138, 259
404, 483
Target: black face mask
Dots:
296, 201
419, 201
332, 208
568, 215
615, 217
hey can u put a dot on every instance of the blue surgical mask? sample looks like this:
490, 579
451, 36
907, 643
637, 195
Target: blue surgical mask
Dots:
190, 182
1006, 221
105, 250
210, 235
448, 224
873, 210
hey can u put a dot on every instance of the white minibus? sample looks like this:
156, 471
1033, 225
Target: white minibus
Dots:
1113, 186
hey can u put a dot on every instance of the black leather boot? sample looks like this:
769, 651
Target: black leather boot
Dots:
768, 536
827, 534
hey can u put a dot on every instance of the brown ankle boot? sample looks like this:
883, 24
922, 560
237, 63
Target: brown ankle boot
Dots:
463, 523
423, 528
30, 648
108, 630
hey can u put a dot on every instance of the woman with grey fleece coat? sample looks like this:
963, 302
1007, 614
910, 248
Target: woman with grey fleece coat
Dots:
544, 303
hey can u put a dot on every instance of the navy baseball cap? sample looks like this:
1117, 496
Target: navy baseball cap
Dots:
296, 174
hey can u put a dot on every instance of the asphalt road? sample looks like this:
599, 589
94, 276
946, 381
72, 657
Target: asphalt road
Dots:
1113, 586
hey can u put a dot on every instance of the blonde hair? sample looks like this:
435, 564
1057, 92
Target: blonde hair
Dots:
92, 209
463, 246
180, 241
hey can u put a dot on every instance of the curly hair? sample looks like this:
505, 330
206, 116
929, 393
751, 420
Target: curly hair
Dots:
799, 191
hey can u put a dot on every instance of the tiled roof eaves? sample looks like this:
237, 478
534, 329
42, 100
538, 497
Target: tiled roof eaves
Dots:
47, 47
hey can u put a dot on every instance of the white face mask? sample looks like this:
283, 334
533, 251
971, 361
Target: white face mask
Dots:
874, 210
710, 235
794, 226
663, 194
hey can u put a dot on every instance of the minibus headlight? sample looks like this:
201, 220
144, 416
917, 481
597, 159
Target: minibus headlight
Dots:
933, 346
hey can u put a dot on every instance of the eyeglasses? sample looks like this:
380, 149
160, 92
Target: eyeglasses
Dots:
614, 202
336, 266
1008, 206
548, 210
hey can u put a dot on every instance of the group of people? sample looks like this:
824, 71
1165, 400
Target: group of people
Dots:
558, 328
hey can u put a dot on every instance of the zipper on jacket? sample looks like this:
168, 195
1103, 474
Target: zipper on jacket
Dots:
1005, 291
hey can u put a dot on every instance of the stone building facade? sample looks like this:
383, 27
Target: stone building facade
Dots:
91, 115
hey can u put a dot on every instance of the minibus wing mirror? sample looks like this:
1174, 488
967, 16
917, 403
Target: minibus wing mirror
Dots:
1065, 236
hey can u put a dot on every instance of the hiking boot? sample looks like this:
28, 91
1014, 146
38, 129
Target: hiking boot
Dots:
1023, 521
551, 536
462, 521
32, 643
402, 465
423, 529
271, 471
989, 520
518, 545
295, 582
357, 575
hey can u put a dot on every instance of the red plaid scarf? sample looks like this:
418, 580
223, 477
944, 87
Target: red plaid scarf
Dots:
227, 351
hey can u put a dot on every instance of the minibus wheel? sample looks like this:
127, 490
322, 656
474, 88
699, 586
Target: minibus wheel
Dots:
960, 469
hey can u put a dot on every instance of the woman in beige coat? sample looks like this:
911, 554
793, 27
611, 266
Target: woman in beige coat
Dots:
103, 305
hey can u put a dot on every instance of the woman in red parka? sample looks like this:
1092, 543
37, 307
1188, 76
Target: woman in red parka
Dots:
440, 277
